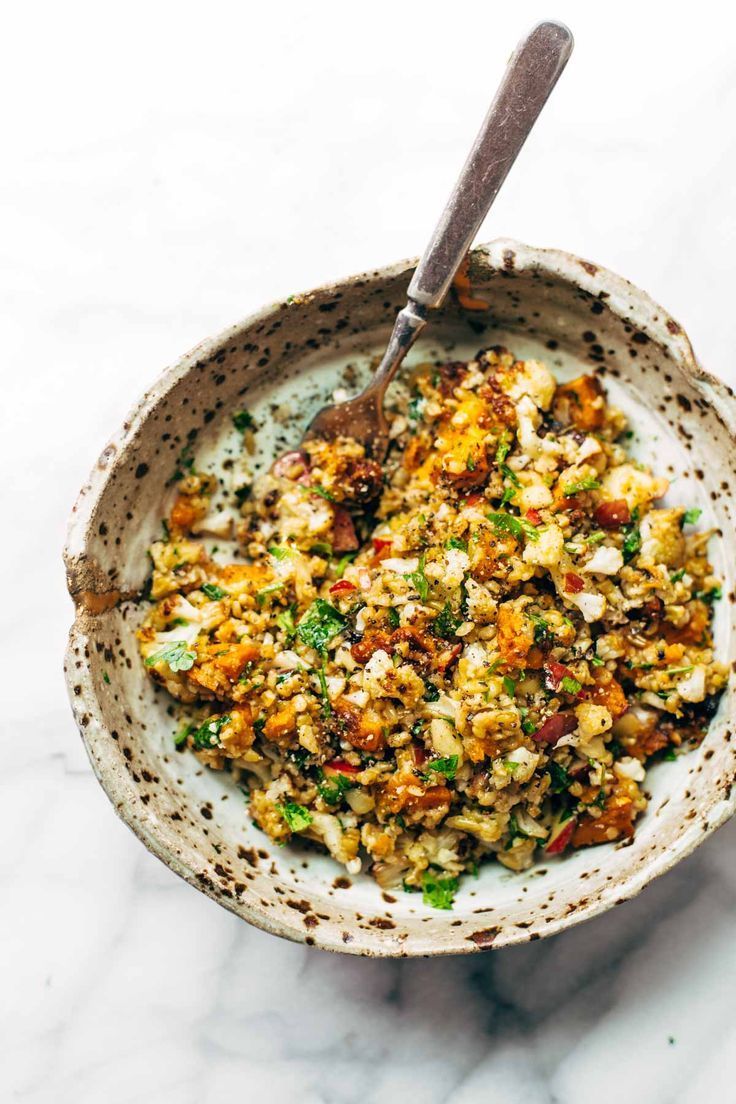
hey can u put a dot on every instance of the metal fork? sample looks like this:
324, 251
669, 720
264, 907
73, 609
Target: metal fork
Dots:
531, 74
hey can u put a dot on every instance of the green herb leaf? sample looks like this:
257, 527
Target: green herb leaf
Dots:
691, 516
332, 788
596, 661
504, 446
457, 542
176, 654
285, 621
296, 816
322, 676
509, 685
180, 737
415, 408
561, 778
242, 420
542, 632
709, 596
438, 892
319, 625
279, 553
213, 592
343, 563
510, 475
677, 575
446, 624
570, 685
419, 579
587, 484
105, 677
632, 538
431, 693
263, 594
317, 489
446, 766
207, 735
321, 548
393, 617
518, 527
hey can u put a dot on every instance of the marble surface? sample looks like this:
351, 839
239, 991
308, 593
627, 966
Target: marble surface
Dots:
168, 168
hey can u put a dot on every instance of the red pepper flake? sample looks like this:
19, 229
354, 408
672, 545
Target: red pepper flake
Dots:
342, 586
611, 515
534, 516
554, 673
559, 844
554, 728
341, 766
573, 583
381, 549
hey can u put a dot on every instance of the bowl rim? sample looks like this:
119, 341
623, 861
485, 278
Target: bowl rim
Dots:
501, 253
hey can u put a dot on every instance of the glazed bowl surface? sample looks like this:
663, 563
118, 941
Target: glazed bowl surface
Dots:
282, 364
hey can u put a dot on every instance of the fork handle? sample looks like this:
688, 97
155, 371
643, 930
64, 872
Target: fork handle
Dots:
530, 76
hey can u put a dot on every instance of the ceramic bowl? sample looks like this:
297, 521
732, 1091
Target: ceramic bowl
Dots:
577, 317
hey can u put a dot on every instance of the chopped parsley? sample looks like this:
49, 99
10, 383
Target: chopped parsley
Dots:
415, 409
446, 766
278, 552
242, 420
285, 621
176, 654
431, 693
587, 484
296, 816
446, 623
596, 661
507, 473
560, 777
438, 892
632, 538
318, 489
332, 788
180, 737
419, 579
509, 685
542, 633
709, 596
207, 735
210, 590
321, 548
457, 542
570, 685
691, 516
263, 594
321, 675
106, 677
343, 563
393, 617
518, 527
504, 445
319, 625
677, 575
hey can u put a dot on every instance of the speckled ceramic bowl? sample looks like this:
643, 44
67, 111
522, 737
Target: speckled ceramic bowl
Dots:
577, 317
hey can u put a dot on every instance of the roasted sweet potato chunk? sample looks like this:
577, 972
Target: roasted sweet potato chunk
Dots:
580, 403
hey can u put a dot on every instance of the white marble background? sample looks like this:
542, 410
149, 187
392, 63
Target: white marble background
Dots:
168, 167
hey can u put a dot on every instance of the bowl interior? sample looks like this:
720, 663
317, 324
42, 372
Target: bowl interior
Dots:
282, 365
